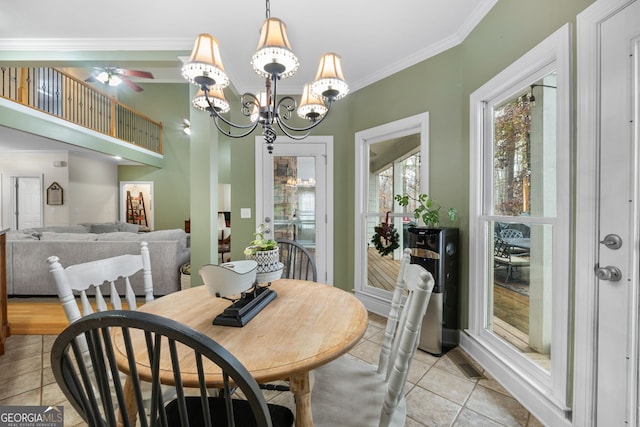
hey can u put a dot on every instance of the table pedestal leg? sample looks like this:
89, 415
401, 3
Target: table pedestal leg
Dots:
130, 403
299, 385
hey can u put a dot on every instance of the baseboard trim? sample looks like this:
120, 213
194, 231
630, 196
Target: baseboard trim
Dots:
534, 400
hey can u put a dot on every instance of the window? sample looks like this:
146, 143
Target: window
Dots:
519, 223
390, 159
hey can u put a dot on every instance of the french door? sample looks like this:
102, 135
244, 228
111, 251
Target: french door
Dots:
294, 197
607, 295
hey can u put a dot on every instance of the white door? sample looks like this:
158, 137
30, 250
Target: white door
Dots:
27, 202
607, 253
137, 188
617, 299
294, 196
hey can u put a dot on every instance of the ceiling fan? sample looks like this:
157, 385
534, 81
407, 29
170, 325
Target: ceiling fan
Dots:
113, 76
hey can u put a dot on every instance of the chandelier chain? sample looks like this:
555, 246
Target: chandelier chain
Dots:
268, 7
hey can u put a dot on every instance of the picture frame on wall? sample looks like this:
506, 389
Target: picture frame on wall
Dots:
55, 194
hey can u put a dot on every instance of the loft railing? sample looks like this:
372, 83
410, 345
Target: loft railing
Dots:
54, 92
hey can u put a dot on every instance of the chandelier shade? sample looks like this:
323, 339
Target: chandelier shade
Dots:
329, 80
205, 64
312, 106
274, 55
215, 97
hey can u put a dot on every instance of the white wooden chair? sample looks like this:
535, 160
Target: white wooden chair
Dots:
93, 275
113, 272
350, 392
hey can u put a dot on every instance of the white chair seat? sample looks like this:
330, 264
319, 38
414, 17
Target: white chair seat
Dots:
513, 260
369, 389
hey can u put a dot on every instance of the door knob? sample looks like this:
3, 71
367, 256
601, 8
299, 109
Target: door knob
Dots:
612, 241
611, 273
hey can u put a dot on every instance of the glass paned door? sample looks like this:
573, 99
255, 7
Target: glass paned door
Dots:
293, 198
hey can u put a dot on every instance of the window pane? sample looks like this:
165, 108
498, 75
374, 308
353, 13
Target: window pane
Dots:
524, 147
294, 199
385, 190
394, 168
521, 266
411, 177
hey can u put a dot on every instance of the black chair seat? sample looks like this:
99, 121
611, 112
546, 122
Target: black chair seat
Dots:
280, 415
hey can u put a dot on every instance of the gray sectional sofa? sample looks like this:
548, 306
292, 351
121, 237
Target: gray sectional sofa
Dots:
28, 250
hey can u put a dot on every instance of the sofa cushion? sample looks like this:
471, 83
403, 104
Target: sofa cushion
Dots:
22, 235
107, 227
176, 235
125, 226
66, 229
65, 237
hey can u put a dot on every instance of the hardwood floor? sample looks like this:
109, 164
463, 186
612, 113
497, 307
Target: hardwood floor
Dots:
511, 307
36, 316
382, 271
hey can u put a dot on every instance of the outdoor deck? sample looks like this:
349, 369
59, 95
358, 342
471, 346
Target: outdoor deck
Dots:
511, 303
383, 271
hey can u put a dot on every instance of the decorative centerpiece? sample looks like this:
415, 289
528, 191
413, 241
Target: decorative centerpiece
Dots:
236, 281
267, 254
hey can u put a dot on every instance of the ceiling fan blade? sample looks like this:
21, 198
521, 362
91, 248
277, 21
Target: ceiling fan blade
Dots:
90, 79
132, 85
137, 73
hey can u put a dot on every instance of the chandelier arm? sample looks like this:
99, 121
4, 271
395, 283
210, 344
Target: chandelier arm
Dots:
235, 125
282, 124
245, 105
285, 130
228, 133
289, 108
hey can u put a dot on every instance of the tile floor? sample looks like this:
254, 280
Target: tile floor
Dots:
439, 393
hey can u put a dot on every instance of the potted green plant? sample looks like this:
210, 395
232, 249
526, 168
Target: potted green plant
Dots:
428, 210
264, 251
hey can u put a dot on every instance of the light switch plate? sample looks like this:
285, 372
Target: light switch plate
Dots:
245, 213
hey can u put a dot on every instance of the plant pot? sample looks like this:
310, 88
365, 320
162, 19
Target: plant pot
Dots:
268, 261
185, 281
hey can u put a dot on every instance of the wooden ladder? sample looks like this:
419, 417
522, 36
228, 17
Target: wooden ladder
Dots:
136, 211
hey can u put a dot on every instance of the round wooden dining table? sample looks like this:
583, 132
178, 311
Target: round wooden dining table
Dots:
307, 325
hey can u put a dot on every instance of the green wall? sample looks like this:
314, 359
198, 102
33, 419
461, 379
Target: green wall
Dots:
440, 85
169, 104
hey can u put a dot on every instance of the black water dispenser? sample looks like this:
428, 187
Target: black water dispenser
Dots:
436, 249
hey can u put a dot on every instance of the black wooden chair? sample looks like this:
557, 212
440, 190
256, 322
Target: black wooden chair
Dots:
297, 260
94, 388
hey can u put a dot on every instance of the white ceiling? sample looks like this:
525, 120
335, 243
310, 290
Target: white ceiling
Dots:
375, 38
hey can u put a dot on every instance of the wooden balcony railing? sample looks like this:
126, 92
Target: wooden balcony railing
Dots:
54, 92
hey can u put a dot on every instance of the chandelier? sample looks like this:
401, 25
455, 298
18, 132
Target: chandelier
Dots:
273, 60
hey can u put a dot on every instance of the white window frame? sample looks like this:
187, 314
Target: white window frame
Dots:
379, 300
546, 392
